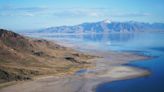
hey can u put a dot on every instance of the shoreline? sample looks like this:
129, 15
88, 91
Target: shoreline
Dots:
107, 69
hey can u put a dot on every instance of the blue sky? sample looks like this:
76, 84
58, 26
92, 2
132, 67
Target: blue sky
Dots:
37, 14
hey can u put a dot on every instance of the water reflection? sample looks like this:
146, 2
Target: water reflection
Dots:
114, 41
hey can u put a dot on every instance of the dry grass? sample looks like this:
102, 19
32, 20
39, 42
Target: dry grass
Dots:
22, 58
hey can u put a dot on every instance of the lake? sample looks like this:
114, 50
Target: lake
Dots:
150, 44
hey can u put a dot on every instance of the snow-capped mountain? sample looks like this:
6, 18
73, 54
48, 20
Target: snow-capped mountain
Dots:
107, 21
106, 26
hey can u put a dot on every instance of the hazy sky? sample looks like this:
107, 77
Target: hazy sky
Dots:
36, 14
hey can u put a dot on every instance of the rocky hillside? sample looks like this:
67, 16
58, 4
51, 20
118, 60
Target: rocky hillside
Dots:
106, 26
22, 58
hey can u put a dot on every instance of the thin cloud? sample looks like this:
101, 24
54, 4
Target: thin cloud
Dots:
67, 12
130, 14
98, 13
32, 9
17, 14
23, 9
77, 12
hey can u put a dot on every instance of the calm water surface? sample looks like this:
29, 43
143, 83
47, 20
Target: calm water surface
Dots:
151, 44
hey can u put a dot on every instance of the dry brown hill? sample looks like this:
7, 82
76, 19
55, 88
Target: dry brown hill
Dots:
22, 58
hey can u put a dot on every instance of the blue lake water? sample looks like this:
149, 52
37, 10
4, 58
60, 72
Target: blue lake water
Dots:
151, 44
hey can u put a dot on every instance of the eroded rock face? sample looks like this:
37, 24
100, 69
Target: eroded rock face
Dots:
5, 33
13, 40
38, 53
72, 59
9, 76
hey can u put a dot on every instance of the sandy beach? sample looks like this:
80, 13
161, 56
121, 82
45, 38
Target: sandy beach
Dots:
106, 69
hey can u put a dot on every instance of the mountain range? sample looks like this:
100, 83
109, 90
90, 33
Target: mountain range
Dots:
106, 26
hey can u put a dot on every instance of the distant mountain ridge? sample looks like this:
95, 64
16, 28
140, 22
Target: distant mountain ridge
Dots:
106, 26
